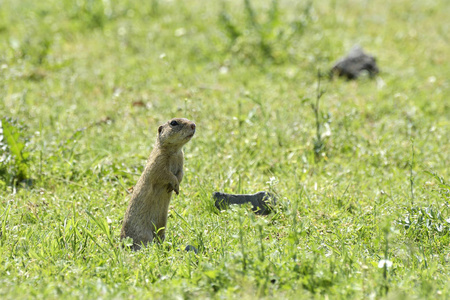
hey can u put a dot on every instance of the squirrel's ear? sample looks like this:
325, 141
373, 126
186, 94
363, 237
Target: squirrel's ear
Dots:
160, 129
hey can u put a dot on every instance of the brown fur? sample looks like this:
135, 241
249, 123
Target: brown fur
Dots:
146, 215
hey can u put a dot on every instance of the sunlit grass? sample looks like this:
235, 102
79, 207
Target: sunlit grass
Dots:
88, 82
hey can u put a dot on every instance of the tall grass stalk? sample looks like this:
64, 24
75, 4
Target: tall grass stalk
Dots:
411, 172
319, 145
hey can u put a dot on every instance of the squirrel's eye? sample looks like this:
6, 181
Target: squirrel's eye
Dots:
174, 123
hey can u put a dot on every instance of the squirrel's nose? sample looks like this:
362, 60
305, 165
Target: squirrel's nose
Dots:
193, 126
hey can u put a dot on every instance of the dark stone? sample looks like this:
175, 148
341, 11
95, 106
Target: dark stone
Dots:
191, 248
354, 64
262, 202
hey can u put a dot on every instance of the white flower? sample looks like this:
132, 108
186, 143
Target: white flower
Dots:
384, 262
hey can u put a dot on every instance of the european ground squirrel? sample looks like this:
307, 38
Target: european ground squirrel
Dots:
146, 215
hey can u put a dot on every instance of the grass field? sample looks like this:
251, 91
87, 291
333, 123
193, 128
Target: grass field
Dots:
363, 211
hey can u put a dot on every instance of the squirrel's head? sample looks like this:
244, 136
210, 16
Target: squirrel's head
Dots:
176, 132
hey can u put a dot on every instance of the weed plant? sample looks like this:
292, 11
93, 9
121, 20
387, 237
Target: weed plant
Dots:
84, 85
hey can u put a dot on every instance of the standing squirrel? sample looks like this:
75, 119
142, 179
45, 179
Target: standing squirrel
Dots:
146, 215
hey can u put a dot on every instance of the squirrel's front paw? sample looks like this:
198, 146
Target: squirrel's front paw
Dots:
174, 186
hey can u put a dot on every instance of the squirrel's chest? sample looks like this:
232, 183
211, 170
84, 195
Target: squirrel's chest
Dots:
175, 165
174, 168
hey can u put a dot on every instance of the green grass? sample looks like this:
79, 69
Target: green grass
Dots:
86, 83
